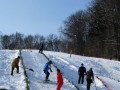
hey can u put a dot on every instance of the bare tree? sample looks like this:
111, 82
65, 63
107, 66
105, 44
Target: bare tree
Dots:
28, 40
74, 29
5, 41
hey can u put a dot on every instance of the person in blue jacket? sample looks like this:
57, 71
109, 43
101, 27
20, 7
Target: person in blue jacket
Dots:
46, 69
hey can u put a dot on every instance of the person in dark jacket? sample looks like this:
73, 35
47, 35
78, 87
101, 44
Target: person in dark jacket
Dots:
81, 73
15, 64
89, 78
59, 80
41, 48
46, 69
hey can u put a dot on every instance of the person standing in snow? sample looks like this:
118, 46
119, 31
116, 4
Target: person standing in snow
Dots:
59, 80
89, 78
46, 69
15, 64
81, 73
41, 48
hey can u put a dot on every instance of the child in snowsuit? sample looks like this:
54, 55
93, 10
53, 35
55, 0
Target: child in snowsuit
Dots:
46, 69
81, 73
59, 80
89, 78
15, 65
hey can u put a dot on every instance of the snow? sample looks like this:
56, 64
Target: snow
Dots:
107, 72
36, 61
7, 81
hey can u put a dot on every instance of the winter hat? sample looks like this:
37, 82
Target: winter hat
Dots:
50, 62
90, 69
58, 70
18, 57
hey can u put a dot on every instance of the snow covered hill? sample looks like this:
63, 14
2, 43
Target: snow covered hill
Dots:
36, 61
8, 82
107, 72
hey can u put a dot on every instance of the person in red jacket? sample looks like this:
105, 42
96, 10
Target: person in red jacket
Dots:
59, 80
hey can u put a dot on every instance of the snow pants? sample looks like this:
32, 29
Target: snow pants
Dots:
79, 79
47, 75
59, 85
89, 81
13, 70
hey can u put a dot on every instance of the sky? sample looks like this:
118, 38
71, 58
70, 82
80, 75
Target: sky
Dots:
42, 17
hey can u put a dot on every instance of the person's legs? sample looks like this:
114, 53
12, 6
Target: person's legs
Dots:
59, 86
17, 69
79, 79
88, 84
82, 79
47, 75
12, 70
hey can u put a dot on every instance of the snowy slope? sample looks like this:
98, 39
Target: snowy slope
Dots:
36, 61
7, 81
108, 71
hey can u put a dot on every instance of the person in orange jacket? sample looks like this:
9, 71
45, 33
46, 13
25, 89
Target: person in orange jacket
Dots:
59, 80
15, 65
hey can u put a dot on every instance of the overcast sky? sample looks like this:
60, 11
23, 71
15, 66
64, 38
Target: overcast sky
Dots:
42, 17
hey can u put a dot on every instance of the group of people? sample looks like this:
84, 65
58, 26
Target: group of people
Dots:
89, 76
47, 67
81, 72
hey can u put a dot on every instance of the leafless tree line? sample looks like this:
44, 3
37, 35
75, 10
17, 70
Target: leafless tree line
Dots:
20, 41
95, 31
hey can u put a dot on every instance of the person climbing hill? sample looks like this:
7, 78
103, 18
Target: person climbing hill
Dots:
59, 80
41, 48
15, 64
46, 69
89, 78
